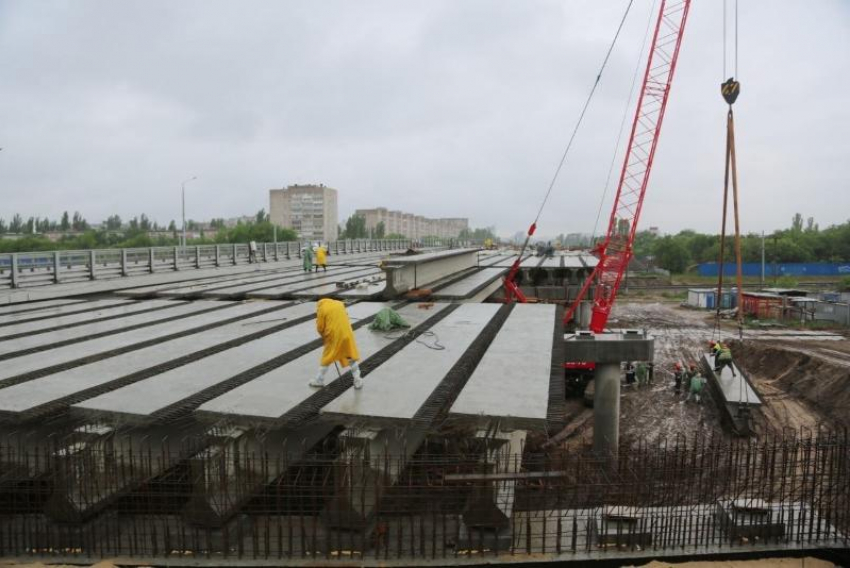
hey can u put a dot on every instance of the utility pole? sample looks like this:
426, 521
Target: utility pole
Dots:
183, 195
762, 259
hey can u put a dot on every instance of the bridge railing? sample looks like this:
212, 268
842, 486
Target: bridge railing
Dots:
22, 269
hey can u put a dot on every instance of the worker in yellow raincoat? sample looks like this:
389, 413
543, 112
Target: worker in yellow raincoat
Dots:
338, 337
321, 258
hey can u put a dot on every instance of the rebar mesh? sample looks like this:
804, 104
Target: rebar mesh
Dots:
97, 496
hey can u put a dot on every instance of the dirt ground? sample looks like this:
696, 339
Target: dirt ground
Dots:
804, 382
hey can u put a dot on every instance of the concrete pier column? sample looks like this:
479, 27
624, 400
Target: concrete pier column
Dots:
607, 350
606, 409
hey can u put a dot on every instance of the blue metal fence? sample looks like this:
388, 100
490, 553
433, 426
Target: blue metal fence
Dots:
779, 269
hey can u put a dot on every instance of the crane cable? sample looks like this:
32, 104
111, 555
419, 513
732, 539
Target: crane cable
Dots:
730, 90
623, 122
577, 125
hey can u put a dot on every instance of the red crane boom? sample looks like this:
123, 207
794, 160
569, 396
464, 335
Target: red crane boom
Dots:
615, 251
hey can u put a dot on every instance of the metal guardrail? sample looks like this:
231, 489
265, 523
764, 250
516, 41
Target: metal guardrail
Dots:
21, 269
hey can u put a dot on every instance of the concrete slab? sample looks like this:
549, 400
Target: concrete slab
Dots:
118, 309
492, 259
61, 311
332, 290
317, 279
735, 389
299, 282
197, 290
573, 261
85, 287
144, 398
399, 387
472, 284
37, 306
49, 338
512, 379
31, 395
146, 291
372, 290
102, 346
270, 396
554, 262
590, 261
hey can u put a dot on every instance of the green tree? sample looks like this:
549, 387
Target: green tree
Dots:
3, 227
355, 228
797, 223
672, 254
65, 223
78, 223
113, 223
16, 225
380, 230
261, 216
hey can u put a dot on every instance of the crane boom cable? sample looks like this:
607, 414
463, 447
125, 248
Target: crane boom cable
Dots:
626, 108
583, 112
616, 250
511, 289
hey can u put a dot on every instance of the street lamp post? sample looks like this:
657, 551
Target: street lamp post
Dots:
183, 195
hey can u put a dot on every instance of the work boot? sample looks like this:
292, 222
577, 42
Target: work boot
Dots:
355, 372
317, 383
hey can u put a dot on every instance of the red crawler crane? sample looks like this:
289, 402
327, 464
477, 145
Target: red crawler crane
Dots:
615, 251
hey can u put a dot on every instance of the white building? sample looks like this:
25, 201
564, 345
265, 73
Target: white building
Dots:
410, 225
309, 210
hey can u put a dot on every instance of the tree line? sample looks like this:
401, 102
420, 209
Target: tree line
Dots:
138, 232
803, 241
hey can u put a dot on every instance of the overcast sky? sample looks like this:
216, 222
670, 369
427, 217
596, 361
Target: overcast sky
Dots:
441, 108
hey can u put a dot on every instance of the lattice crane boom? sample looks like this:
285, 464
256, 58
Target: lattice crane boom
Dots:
616, 250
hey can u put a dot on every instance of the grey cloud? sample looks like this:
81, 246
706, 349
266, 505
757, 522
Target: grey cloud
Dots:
442, 108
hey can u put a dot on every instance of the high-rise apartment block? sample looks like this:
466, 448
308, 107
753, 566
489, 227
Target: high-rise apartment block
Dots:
410, 225
309, 210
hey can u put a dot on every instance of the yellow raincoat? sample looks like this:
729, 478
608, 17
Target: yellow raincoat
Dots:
333, 325
321, 256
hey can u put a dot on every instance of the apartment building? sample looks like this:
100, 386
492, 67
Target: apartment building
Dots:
410, 225
309, 210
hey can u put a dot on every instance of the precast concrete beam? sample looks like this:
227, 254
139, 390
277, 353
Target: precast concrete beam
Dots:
98, 464
238, 463
371, 461
405, 273
615, 347
491, 504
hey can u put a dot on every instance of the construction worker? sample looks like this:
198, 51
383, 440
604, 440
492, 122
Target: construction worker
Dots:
630, 373
307, 258
641, 374
321, 258
650, 369
723, 358
678, 375
696, 386
338, 338
716, 347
